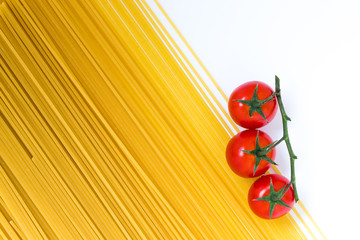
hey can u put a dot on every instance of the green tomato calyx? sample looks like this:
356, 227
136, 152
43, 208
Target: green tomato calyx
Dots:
255, 104
260, 153
274, 198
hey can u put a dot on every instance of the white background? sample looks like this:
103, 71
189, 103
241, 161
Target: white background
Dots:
314, 47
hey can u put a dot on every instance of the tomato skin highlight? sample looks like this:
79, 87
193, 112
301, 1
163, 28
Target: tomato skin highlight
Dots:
239, 112
243, 163
261, 188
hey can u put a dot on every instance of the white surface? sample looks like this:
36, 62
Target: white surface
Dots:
314, 47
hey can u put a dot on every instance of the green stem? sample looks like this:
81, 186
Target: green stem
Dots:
271, 97
285, 119
275, 144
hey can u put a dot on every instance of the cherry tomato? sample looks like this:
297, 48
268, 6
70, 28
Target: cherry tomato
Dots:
265, 196
260, 115
239, 158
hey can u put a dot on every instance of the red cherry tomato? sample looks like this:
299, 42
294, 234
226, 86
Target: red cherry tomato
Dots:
260, 197
239, 112
243, 163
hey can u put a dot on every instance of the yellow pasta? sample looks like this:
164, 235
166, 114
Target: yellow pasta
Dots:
107, 134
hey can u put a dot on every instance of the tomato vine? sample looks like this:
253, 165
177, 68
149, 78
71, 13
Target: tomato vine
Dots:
285, 119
